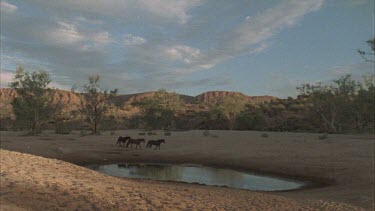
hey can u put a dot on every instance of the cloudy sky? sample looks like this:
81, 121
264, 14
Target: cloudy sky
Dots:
188, 46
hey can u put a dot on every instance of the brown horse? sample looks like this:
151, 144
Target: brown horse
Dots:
121, 141
156, 143
137, 143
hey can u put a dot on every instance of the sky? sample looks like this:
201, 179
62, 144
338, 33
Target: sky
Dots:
255, 47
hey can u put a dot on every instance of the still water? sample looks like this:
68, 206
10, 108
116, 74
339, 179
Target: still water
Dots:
199, 174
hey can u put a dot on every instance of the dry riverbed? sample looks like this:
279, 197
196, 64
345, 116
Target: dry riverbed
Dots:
342, 166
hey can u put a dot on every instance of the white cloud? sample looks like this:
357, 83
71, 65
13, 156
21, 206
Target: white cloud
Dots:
261, 27
250, 35
184, 53
66, 33
101, 38
130, 39
6, 7
262, 47
84, 20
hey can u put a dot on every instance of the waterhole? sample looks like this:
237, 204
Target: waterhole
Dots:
201, 175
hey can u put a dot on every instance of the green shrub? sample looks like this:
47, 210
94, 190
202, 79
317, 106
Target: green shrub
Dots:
265, 135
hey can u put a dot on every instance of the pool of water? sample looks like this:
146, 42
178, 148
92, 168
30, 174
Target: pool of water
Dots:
199, 174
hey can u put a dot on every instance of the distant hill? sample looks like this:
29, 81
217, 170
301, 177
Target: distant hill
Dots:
213, 96
69, 100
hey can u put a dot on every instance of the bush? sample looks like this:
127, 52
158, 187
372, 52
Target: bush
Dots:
323, 136
142, 133
214, 136
265, 135
206, 133
113, 133
62, 129
167, 133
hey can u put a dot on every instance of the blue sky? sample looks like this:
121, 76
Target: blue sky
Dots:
254, 47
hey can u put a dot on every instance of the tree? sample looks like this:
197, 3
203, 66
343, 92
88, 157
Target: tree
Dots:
364, 104
251, 119
332, 102
228, 108
34, 103
158, 111
94, 102
365, 55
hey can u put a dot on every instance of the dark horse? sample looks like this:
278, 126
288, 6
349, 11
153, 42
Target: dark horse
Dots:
156, 143
121, 141
137, 143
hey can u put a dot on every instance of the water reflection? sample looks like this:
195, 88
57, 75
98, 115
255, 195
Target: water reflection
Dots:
198, 174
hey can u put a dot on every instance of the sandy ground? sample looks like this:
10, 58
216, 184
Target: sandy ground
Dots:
342, 164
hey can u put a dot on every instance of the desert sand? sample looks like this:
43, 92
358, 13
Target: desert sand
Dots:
340, 167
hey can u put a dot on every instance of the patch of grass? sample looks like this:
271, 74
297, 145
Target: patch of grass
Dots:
214, 136
265, 135
142, 133
323, 136
113, 133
